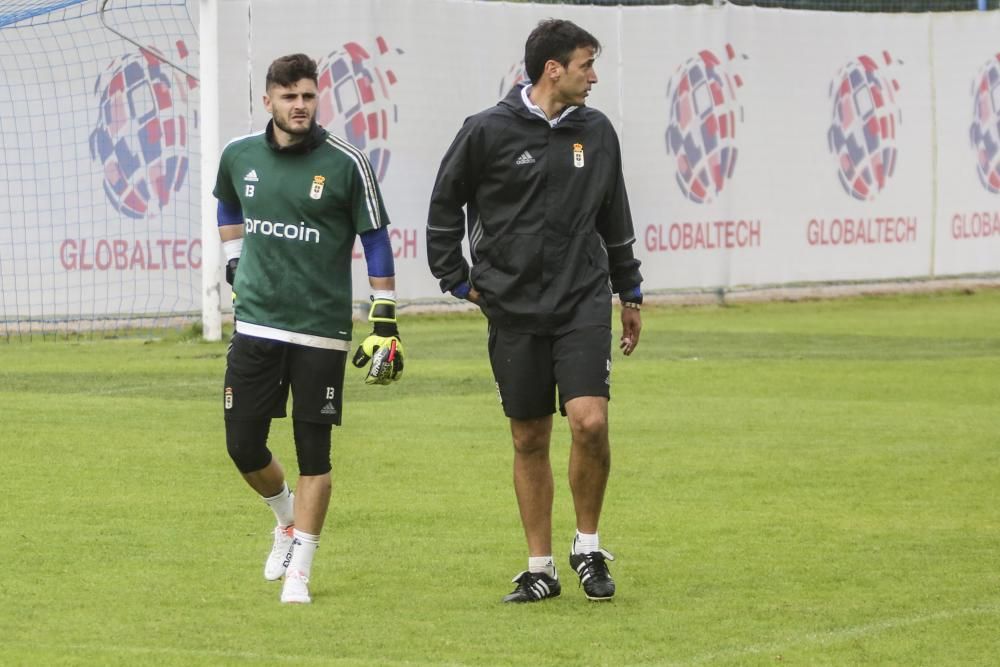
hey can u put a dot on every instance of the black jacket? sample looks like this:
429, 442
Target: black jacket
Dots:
548, 217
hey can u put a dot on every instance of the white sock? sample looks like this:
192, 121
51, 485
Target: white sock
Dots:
544, 564
304, 548
283, 506
585, 543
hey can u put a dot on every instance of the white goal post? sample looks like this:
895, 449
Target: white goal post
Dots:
211, 275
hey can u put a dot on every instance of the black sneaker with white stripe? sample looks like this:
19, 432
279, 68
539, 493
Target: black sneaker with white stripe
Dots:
533, 586
595, 578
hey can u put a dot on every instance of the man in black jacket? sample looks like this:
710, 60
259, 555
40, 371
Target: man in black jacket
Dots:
549, 227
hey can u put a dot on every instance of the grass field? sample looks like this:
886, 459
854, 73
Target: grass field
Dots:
812, 483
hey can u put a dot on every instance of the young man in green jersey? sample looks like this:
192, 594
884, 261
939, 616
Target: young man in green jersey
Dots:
292, 199
550, 234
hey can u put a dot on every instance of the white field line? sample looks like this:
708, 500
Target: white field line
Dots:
840, 635
773, 648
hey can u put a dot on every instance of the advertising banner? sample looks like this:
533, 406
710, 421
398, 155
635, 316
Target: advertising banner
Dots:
966, 69
760, 146
777, 147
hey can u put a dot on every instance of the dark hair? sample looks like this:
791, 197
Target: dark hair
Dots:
554, 39
286, 70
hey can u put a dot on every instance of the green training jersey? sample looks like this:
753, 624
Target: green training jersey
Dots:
302, 208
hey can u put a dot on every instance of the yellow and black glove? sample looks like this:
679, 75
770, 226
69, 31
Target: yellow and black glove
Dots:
382, 347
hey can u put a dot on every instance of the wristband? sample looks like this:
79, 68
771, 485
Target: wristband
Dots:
233, 248
382, 314
632, 305
383, 309
632, 295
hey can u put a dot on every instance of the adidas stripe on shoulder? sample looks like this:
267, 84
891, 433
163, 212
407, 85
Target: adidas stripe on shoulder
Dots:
367, 177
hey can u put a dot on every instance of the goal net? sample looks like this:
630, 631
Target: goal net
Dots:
99, 182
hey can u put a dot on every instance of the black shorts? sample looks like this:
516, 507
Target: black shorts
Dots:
259, 373
529, 370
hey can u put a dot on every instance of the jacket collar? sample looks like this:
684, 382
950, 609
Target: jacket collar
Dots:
518, 101
316, 136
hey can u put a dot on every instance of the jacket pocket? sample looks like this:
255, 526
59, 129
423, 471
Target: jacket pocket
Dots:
510, 275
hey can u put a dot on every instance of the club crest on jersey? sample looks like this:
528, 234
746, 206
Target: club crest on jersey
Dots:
229, 398
316, 191
578, 155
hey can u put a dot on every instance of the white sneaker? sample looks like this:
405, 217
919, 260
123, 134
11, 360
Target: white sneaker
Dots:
296, 588
281, 554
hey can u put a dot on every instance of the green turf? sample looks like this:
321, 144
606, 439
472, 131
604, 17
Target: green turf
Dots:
810, 483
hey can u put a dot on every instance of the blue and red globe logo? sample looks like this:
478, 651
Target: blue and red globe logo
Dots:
701, 131
516, 76
142, 135
355, 102
862, 132
985, 130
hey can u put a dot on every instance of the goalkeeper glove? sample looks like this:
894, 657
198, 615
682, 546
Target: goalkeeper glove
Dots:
382, 347
232, 248
231, 270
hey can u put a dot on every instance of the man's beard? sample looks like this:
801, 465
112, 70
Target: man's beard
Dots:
298, 132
